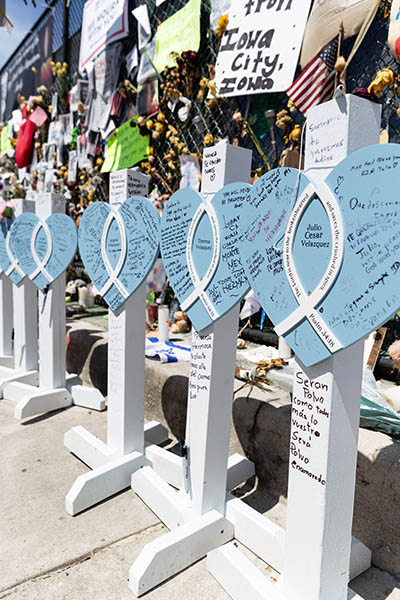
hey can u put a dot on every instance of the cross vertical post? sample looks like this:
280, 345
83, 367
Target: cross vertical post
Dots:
320, 555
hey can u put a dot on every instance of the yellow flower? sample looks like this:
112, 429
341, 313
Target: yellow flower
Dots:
208, 139
383, 79
34, 69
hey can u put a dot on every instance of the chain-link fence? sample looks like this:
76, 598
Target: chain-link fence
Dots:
217, 117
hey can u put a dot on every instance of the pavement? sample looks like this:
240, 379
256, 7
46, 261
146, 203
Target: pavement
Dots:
45, 554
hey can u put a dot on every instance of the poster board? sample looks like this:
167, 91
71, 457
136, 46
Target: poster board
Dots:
255, 55
125, 148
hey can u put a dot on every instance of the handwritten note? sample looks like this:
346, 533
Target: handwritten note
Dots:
200, 366
127, 183
125, 148
200, 251
43, 249
119, 248
310, 426
178, 33
255, 56
334, 277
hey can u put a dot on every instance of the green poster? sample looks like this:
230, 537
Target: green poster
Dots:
125, 148
179, 33
5, 144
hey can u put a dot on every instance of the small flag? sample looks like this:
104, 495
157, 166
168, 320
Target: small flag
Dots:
315, 84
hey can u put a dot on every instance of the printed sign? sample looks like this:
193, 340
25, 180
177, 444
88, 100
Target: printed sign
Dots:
200, 251
334, 276
43, 250
125, 148
260, 48
104, 21
119, 247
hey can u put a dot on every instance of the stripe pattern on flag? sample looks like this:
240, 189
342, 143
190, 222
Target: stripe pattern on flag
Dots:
315, 84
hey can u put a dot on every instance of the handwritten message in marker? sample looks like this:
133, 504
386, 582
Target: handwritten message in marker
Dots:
119, 247
333, 277
256, 55
200, 251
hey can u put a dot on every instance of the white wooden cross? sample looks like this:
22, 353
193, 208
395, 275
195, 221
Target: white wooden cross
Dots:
6, 322
320, 556
22, 312
130, 442
198, 514
57, 389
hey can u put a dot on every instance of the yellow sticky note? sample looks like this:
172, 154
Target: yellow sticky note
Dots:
179, 33
126, 148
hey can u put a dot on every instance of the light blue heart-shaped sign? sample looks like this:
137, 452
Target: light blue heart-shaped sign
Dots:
43, 249
119, 246
200, 251
334, 276
8, 262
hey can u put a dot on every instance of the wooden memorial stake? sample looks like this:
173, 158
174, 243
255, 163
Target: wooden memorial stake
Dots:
6, 322
319, 519
113, 463
56, 388
24, 366
197, 517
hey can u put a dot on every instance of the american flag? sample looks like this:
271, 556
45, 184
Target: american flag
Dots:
316, 82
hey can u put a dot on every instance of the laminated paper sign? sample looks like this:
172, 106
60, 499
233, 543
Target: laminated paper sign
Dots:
125, 148
104, 21
261, 45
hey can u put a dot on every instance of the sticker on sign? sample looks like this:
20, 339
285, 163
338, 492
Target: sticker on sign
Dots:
261, 45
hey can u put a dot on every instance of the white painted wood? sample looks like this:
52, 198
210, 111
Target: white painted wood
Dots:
126, 365
42, 402
93, 487
360, 558
323, 448
163, 500
6, 320
94, 452
25, 305
25, 327
7, 361
88, 397
115, 461
86, 446
322, 476
209, 413
17, 390
8, 376
256, 532
240, 469
52, 366
178, 549
239, 577
167, 465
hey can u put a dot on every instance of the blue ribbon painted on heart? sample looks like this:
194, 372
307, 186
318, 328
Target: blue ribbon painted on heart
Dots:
335, 276
41, 250
200, 251
119, 246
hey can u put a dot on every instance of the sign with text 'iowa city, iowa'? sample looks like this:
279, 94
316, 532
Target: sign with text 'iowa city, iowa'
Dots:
261, 45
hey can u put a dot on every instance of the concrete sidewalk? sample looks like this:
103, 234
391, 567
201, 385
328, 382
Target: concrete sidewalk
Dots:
47, 555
